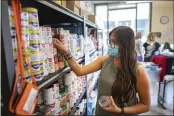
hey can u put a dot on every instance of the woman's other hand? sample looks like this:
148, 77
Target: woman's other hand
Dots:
60, 46
112, 107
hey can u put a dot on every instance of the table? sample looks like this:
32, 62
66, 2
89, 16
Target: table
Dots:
167, 65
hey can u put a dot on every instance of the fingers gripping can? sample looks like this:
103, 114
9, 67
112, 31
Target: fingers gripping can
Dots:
104, 101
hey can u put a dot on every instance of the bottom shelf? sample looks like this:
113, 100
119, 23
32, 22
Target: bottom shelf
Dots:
77, 103
84, 111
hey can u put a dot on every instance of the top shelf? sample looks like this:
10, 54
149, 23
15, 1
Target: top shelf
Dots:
61, 9
90, 24
51, 12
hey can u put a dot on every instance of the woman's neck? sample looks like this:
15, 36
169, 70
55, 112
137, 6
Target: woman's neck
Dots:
151, 42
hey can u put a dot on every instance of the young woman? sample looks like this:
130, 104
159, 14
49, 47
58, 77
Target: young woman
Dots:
121, 76
139, 47
151, 47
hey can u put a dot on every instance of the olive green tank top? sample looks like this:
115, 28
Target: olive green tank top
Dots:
105, 82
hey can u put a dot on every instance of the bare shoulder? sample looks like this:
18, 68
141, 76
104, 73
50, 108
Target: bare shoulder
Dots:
141, 74
103, 58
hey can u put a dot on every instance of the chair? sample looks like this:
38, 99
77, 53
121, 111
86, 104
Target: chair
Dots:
167, 80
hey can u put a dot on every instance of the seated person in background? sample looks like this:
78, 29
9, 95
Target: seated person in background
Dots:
167, 48
151, 47
139, 47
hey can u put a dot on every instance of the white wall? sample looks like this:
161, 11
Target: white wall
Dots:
159, 9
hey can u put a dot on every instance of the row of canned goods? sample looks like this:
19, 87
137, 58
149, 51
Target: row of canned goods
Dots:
30, 33
43, 57
62, 95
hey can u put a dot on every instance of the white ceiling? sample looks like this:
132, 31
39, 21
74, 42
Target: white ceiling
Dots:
101, 2
116, 1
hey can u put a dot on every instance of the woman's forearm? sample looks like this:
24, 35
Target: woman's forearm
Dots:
87, 69
136, 109
75, 66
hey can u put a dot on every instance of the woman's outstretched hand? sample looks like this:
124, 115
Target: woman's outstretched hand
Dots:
112, 107
60, 46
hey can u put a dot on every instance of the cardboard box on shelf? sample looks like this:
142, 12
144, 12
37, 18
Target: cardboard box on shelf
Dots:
74, 8
91, 18
73, 3
64, 3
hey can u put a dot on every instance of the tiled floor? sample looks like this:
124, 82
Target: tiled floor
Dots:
157, 110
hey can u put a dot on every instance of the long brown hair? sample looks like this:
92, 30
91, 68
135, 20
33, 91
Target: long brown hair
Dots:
125, 82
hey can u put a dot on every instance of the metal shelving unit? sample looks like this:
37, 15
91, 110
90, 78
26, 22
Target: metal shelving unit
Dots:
51, 78
61, 9
77, 103
83, 113
49, 13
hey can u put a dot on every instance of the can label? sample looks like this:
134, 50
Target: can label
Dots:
24, 23
14, 43
45, 66
11, 19
37, 75
26, 37
51, 65
35, 47
30, 9
42, 69
33, 16
34, 26
28, 77
27, 74
34, 32
34, 37
35, 56
43, 47
10, 10
24, 16
35, 66
51, 48
25, 30
13, 32
34, 41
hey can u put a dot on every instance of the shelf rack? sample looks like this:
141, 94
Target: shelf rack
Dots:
49, 13
77, 103
51, 78
84, 110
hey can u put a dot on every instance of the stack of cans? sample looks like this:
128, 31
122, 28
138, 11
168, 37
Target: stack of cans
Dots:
56, 63
34, 43
25, 37
43, 49
47, 49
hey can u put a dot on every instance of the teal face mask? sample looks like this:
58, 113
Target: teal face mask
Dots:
113, 51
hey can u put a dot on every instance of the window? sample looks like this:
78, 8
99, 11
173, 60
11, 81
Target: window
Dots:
143, 19
101, 20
